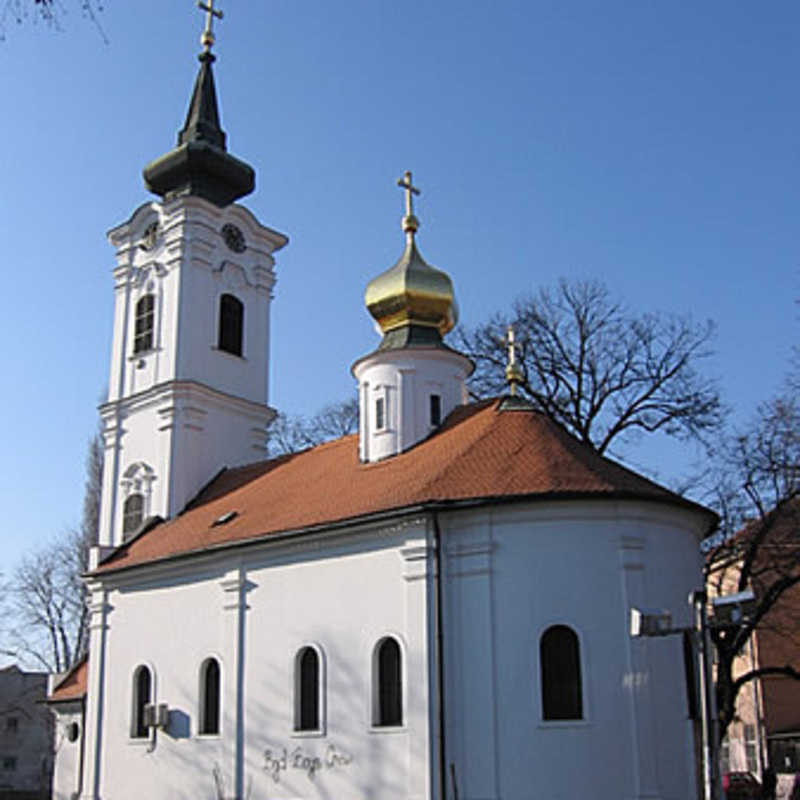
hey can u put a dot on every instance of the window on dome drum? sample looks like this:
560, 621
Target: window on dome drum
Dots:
142, 695
306, 687
560, 664
231, 324
132, 514
209, 696
145, 322
436, 410
380, 414
388, 693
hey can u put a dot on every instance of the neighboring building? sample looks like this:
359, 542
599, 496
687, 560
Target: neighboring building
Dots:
766, 728
436, 606
26, 734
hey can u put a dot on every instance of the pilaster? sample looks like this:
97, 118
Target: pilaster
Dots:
643, 742
234, 603
95, 697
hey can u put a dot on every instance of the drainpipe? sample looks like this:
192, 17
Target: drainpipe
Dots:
440, 705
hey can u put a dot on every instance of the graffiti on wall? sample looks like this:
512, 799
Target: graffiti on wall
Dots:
279, 760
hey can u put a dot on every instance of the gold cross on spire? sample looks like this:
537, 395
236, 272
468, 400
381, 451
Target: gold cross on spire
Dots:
513, 371
410, 222
207, 38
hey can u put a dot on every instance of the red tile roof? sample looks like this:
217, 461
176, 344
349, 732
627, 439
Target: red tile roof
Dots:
481, 453
73, 685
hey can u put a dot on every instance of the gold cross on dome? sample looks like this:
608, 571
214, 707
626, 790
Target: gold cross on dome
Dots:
514, 373
405, 183
207, 38
512, 345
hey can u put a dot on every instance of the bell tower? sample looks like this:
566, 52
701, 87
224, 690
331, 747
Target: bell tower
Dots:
193, 282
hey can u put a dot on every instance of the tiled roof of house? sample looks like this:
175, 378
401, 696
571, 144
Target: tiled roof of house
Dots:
73, 685
481, 453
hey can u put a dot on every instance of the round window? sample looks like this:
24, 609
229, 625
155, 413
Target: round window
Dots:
72, 731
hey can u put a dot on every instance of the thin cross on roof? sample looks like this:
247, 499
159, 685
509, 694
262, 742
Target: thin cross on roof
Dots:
207, 38
410, 222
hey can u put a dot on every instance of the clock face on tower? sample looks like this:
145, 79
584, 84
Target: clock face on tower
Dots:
234, 238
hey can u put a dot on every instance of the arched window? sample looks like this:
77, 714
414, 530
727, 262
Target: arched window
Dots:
145, 322
231, 324
209, 696
388, 684
307, 690
142, 695
132, 514
560, 663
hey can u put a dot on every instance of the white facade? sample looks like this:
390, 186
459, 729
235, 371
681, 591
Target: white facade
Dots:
508, 574
396, 390
180, 407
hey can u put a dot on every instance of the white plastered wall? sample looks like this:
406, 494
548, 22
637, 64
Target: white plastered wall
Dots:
67, 766
253, 613
511, 573
404, 380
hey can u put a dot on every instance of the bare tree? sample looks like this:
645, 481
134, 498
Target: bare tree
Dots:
288, 434
45, 597
598, 369
48, 12
759, 545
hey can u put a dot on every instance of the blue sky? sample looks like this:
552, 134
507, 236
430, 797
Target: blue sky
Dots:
652, 145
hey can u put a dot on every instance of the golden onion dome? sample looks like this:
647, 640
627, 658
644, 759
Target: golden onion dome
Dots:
412, 292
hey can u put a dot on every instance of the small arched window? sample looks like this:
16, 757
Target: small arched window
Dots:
209, 696
307, 690
132, 514
388, 684
231, 324
436, 410
560, 663
142, 695
145, 322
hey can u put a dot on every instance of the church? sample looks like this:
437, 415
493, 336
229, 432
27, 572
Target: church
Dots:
435, 607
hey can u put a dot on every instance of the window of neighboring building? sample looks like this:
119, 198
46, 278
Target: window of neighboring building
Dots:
12, 724
388, 687
307, 690
145, 322
560, 664
724, 756
142, 695
9, 763
231, 324
209, 696
132, 514
750, 747
380, 414
436, 410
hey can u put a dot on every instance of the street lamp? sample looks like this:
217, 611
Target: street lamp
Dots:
728, 610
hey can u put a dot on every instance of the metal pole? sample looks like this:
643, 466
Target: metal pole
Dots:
708, 649
697, 600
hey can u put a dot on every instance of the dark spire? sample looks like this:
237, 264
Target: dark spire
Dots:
200, 165
202, 120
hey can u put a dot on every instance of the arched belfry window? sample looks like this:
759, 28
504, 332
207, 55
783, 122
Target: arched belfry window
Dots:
142, 695
132, 514
209, 696
144, 324
387, 684
231, 324
560, 664
307, 694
